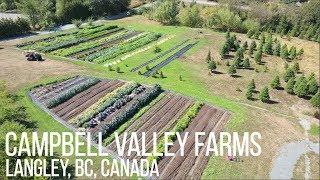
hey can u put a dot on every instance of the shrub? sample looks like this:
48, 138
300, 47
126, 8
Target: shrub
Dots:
275, 84
157, 49
246, 63
315, 100
212, 66
77, 23
264, 95
249, 93
301, 87
312, 85
118, 70
10, 27
290, 85
289, 74
232, 70
296, 67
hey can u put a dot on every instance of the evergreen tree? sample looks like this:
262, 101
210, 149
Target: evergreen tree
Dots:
227, 35
245, 45
284, 54
286, 65
315, 100
161, 75
212, 66
300, 53
254, 45
252, 84
267, 47
246, 63
232, 70
312, 85
258, 57
289, 74
296, 67
224, 50
237, 62
275, 84
290, 85
293, 52
262, 39
239, 53
301, 87
277, 49
251, 48
249, 93
118, 70
295, 30
208, 59
264, 95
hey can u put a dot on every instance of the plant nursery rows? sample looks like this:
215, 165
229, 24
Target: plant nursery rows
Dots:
100, 105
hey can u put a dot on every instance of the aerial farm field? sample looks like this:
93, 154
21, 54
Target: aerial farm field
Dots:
110, 86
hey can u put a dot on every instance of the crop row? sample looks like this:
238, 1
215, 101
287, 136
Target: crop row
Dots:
116, 105
118, 38
57, 37
129, 111
51, 36
107, 48
65, 95
139, 51
70, 42
128, 47
103, 103
125, 126
180, 126
62, 88
158, 57
86, 45
168, 60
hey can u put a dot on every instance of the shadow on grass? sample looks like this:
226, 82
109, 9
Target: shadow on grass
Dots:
217, 72
272, 102
236, 76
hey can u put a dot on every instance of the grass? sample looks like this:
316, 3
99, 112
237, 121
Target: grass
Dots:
218, 90
314, 130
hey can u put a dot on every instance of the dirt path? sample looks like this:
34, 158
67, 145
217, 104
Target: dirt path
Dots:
17, 72
289, 155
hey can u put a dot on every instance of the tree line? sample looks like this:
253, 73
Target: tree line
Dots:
286, 19
46, 13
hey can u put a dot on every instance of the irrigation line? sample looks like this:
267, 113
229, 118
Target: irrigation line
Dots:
168, 60
157, 57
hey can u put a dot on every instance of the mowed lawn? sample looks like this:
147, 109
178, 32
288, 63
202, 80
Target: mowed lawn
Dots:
197, 84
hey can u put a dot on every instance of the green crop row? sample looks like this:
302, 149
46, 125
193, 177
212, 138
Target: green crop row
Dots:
86, 45
129, 111
180, 126
107, 49
124, 126
103, 103
127, 47
65, 95
73, 41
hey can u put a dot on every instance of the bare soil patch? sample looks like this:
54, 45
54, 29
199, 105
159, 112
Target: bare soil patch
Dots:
17, 72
